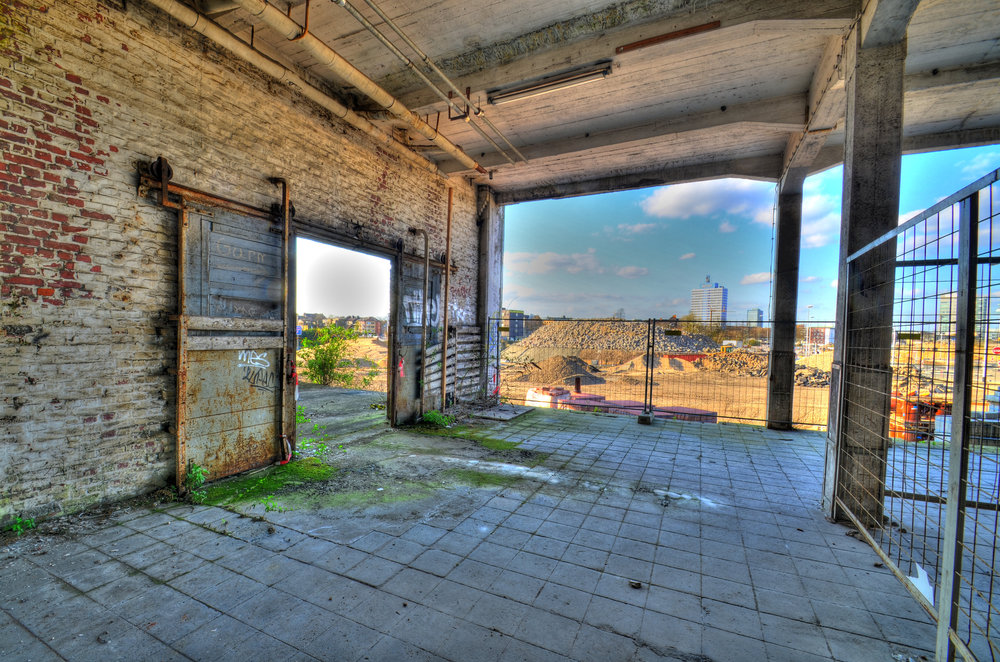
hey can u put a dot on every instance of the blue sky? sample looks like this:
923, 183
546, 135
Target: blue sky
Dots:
644, 251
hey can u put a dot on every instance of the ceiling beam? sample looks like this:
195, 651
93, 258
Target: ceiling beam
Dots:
782, 114
766, 168
979, 73
827, 101
587, 39
833, 155
884, 22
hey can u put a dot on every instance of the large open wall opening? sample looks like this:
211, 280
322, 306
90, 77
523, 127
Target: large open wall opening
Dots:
342, 323
584, 276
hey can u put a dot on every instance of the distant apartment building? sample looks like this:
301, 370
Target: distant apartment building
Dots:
709, 302
819, 335
312, 320
947, 314
516, 324
513, 322
755, 317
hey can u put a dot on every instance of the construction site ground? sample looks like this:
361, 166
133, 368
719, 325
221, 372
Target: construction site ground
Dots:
551, 536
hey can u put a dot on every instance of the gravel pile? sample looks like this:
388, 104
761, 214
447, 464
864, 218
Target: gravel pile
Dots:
626, 337
806, 376
738, 362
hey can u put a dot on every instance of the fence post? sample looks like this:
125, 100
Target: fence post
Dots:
647, 399
949, 586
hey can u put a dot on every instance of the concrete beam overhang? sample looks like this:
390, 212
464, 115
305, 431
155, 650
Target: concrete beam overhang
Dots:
884, 22
832, 156
783, 114
763, 168
593, 37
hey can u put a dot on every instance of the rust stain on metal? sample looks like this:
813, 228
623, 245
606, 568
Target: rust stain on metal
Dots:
670, 36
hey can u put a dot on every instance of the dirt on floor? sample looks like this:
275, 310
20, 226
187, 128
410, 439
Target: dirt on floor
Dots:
349, 463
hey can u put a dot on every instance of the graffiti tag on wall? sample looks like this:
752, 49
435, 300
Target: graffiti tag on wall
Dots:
256, 371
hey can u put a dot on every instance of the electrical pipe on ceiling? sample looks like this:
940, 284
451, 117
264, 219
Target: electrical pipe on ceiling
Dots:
206, 27
479, 113
329, 58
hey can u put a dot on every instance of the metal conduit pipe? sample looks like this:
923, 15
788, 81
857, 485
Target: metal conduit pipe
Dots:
444, 340
480, 113
204, 26
368, 25
423, 318
329, 58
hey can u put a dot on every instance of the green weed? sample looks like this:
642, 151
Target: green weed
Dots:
193, 481
434, 417
21, 524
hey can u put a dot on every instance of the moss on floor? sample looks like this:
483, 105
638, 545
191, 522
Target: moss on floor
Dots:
479, 478
257, 485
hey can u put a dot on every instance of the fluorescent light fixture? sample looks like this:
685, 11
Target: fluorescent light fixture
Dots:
550, 84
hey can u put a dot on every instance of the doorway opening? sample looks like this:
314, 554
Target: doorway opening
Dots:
342, 323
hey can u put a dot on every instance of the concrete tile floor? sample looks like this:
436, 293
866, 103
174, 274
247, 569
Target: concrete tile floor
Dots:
719, 525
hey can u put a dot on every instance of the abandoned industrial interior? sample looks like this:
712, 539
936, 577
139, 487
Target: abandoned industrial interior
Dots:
159, 160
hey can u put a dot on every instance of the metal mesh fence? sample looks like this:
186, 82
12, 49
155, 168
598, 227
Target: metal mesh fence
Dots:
677, 369
919, 421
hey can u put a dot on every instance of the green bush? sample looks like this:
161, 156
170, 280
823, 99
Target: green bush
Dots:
329, 363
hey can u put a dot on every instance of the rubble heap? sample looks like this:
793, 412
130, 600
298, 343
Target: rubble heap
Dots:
577, 337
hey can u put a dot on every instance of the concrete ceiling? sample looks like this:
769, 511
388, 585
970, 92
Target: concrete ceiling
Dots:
756, 88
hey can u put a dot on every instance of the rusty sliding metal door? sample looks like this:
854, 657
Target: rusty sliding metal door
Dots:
236, 369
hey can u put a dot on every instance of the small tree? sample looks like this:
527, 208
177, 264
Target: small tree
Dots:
329, 363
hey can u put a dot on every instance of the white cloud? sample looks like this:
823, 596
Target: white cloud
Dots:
632, 272
726, 227
757, 278
981, 164
833, 283
636, 228
811, 279
735, 197
543, 263
686, 256
820, 219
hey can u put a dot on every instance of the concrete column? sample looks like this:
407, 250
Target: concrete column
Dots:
785, 295
856, 443
490, 218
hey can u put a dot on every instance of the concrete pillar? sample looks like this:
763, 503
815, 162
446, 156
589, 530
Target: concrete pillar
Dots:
856, 442
490, 218
785, 294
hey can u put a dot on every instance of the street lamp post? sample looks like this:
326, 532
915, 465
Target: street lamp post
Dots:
809, 343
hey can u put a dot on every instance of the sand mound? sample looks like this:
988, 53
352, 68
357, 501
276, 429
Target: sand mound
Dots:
637, 366
559, 370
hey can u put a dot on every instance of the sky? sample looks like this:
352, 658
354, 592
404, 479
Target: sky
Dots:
340, 282
643, 251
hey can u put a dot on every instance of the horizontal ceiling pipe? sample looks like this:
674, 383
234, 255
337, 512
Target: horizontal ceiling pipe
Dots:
329, 58
433, 67
204, 26
368, 25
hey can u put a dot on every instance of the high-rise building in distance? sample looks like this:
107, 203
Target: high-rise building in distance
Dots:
709, 302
